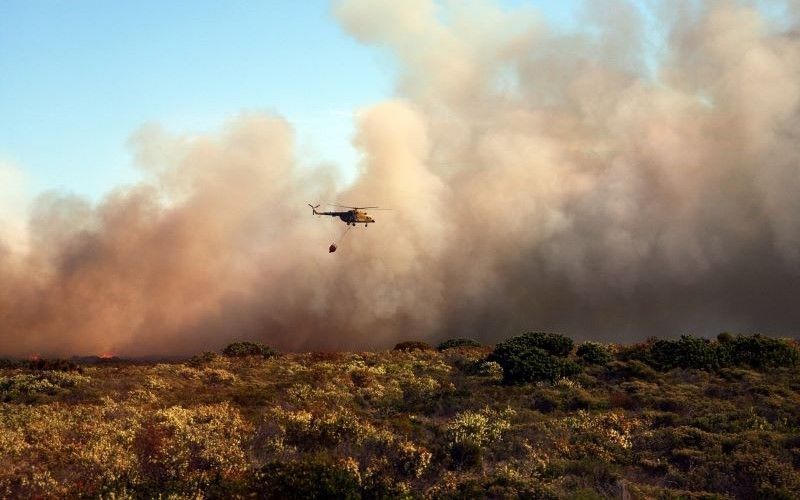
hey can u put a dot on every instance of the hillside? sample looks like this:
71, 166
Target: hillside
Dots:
541, 418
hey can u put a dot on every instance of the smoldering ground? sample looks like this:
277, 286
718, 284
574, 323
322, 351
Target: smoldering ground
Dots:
589, 183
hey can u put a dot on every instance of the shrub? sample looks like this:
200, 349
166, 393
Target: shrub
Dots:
605, 436
754, 351
466, 360
195, 447
412, 345
639, 352
312, 477
411, 460
489, 369
26, 387
325, 357
554, 343
218, 376
203, 358
472, 431
534, 357
244, 349
480, 427
686, 352
628, 370
592, 353
547, 401
758, 351
498, 485
724, 337
449, 344
9, 363
61, 365
310, 431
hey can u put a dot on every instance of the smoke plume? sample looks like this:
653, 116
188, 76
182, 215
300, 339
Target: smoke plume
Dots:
591, 183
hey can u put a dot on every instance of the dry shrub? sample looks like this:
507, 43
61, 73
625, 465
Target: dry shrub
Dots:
192, 448
413, 345
326, 357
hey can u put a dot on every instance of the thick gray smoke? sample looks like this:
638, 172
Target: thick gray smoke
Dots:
591, 184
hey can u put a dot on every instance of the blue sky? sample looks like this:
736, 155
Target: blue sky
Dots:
77, 77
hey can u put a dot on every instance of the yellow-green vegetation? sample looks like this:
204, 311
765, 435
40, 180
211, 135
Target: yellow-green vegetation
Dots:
532, 418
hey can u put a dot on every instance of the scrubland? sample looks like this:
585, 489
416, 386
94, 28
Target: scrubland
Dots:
534, 417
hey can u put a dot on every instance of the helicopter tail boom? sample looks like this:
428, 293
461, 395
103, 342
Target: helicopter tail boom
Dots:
314, 208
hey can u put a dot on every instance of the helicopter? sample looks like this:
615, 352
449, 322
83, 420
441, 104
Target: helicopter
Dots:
351, 217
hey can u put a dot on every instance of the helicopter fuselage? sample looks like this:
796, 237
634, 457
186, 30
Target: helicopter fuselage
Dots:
355, 217
349, 217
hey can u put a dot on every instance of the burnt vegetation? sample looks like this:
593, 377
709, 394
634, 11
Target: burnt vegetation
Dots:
534, 416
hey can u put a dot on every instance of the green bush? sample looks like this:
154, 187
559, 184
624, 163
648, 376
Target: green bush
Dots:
686, 352
311, 477
553, 343
534, 357
244, 349
412, 345
753, 351
451, 343
758, 351
724, 337
592, 353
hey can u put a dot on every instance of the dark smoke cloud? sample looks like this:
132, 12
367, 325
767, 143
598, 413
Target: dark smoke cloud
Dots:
583, 183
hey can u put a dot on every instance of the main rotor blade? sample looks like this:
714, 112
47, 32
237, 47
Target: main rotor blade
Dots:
346, 206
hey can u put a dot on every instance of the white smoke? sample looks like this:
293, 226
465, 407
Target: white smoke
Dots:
540, 180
